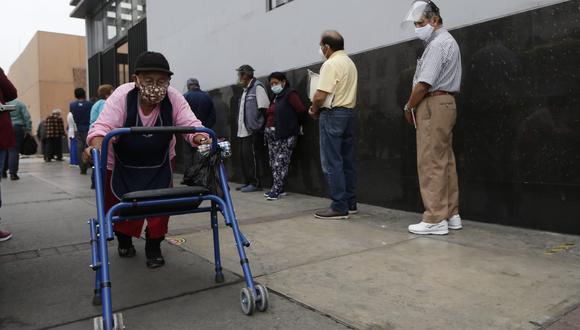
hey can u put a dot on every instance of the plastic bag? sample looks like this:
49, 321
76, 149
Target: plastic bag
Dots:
205, 173
29, 145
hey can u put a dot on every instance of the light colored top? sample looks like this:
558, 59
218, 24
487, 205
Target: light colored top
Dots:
114, 114
96, 110
339, 76
20, 116
440, 64
263, 103
72, 127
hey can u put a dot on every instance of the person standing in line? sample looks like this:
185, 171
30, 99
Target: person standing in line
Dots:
282, 127
436, 82
103, 92
22, 126
7, 140
339, 78
41, 134
202, 106
81, 110
252, 106
72, 142
54, 133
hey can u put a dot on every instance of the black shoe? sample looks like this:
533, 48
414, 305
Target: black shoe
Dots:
155, 262
331, 214
126, 248
352, 209
242, 187
153, 252
129, 252
59, 160
14, 177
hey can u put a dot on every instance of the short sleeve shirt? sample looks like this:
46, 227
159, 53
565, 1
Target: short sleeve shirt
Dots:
440, 64
339, 76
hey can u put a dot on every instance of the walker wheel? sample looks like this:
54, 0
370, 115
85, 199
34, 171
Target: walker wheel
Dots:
118, 322
247, 301
262, 297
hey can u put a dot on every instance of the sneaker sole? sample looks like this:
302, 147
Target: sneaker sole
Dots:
439, 232
352, 212
340, 217
281, 194
5, 238
455, 228
271, 199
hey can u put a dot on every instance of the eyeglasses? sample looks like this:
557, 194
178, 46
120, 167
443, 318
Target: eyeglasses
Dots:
147, 82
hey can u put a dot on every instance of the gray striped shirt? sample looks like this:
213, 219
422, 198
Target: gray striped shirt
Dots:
440, 64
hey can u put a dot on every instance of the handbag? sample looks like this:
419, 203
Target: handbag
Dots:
29, 145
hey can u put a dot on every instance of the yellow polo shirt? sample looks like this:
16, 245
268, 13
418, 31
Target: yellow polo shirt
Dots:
338, 75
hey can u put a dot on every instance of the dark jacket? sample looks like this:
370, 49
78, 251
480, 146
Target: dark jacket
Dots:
202, 106
287, 116
7, 94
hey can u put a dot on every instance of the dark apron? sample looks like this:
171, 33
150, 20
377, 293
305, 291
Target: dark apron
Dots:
142, 160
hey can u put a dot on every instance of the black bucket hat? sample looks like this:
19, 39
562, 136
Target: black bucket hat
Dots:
152, 61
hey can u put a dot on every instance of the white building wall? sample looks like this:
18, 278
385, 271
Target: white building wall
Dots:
208, 39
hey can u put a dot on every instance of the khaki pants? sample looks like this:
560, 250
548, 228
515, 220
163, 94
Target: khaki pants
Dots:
436, 117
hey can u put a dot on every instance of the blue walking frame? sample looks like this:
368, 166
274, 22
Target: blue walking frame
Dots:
253, 296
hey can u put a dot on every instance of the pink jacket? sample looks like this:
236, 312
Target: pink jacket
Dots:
114, 114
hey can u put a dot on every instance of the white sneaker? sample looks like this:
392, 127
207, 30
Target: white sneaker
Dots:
454, 222
425, 228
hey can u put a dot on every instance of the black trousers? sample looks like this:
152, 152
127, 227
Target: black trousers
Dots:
53, 148
253, 157
81, 146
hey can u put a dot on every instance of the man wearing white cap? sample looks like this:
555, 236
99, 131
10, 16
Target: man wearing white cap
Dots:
432, 110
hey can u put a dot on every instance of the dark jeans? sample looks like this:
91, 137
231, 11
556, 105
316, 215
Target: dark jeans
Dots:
53, 148
337, 154
12, 157
253, 157
81, 138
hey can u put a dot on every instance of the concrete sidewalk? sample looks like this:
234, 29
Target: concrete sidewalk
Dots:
364, 273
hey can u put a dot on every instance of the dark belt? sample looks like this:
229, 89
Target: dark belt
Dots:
334, 108
439, 93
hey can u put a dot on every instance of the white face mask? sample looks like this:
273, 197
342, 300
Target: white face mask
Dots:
321, 53
424, 33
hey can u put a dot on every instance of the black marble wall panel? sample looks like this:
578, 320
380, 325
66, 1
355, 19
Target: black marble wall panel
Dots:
517, 138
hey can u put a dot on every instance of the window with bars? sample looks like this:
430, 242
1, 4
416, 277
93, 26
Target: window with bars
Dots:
273, 4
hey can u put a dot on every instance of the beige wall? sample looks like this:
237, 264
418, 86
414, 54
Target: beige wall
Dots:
24, 75
46, 73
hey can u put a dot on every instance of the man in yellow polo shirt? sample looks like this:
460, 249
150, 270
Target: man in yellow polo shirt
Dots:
338, 81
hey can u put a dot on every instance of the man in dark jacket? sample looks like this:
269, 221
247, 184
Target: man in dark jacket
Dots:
253, 105
202, 106
81, 110
7, 139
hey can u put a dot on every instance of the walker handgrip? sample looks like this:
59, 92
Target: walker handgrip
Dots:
172, 129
